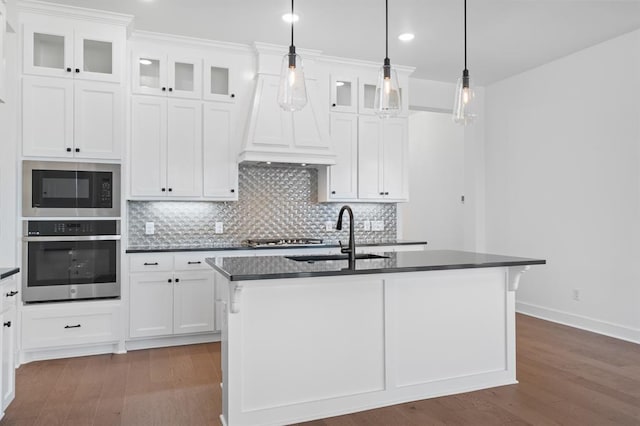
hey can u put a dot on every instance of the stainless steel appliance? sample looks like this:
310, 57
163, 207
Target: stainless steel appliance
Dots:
283, 242
70, 260
57, 189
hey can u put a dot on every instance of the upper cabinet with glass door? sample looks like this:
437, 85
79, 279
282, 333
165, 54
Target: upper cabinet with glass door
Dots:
72, 49
219, 81
344, 93
161, 74
367, 94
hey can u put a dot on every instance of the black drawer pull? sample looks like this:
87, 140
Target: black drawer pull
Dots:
194, 263
12, 293
73, 326
7, 324
150, 263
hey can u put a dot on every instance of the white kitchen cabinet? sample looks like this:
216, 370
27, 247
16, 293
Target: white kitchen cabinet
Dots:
220, 80
169, 75
69, 48
150, 304
344, 93
382, 159
67, 119
340, 181
8, 289
170, 302
220, 165
191, 312
166, 147
3, 52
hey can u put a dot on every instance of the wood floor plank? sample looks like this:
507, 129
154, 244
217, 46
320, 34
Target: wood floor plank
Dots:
567, 377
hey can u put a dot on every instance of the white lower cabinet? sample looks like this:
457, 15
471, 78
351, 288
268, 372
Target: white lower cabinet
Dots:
8, 333
170, 300
70, 324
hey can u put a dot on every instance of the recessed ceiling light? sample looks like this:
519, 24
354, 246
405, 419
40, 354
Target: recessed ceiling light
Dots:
145, 62
406, 37
287, 18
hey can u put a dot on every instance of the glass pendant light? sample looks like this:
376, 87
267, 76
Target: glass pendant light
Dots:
292, 92
387, 101
463, 104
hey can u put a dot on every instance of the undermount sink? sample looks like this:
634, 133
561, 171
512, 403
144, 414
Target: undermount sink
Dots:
323, 257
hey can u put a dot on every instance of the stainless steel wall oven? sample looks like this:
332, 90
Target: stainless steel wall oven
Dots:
71, 260
58, 189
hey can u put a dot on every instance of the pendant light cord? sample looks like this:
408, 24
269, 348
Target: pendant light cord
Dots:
465, 34
293, 20
386, 35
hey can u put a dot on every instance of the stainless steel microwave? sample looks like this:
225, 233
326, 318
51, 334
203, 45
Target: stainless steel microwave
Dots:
59, 189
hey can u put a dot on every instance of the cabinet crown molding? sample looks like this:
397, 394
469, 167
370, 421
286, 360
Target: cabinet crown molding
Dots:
74, 12
150, 36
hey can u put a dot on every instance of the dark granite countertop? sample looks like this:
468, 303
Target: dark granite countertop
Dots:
157, 249
274, 267
7, 272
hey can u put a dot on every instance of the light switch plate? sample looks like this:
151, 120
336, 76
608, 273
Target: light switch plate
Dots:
149, 228
219, 228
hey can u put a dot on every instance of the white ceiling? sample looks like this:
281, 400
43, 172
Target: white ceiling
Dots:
506, 37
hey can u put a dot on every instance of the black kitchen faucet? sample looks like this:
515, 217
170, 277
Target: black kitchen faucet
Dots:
351, 249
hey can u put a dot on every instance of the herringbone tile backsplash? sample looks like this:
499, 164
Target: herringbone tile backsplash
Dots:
273, 202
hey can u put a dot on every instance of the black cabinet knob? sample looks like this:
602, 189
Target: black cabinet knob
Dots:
333, 105
169, 280
233, 190
68, 149
164, 89
163, 189
386, 193
7, 324
233, 95
177, 280
382, 193
170, 189
68, 69
333, 192
77, 149
171, 89
77, 70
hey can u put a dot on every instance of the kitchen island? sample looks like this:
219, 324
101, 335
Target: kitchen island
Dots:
307, 339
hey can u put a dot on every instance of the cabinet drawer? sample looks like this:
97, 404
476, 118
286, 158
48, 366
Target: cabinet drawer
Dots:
65, 325
151, 262
192, 261
8, 293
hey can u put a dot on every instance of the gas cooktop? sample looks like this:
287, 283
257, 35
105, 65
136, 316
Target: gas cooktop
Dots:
283, 242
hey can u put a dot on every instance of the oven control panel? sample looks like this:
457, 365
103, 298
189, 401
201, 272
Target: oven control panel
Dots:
41, 228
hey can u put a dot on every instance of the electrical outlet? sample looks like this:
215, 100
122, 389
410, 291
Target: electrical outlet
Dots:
219, 228
329, 226
576, 294
377, 225
366, 225
149, 228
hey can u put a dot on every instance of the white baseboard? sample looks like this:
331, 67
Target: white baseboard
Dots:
617, 331
162, 342
31, 355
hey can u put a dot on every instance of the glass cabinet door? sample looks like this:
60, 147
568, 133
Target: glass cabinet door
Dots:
185, 78
218, 82
149, 74
368, 95
343, 93
97, 56
48, 51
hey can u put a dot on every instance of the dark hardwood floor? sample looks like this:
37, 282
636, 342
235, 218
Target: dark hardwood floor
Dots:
567, 377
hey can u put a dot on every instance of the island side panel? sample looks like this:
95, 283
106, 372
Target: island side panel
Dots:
448, 332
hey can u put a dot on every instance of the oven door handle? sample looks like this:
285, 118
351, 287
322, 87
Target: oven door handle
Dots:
75, 238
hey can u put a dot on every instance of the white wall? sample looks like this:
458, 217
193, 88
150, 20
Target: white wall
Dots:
8, 163
435, 96
562, 183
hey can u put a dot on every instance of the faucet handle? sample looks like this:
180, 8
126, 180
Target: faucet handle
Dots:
342, 249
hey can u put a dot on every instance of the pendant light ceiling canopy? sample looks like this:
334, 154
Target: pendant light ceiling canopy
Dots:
292, 91
387, 102
464, 104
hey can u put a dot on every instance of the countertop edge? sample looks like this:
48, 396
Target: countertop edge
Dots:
7, 272
236, 248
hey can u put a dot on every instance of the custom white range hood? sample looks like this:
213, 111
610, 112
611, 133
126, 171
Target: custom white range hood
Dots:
277, 136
